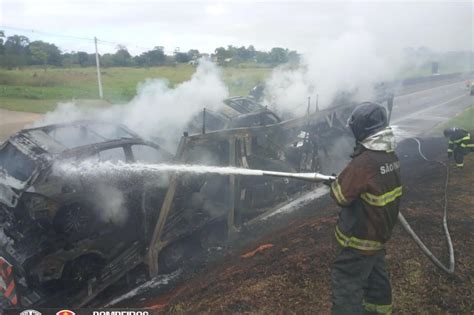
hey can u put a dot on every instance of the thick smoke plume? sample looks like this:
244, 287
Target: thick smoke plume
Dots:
349, 64
158, 110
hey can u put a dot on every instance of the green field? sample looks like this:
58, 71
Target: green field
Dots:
36, 90
463, 120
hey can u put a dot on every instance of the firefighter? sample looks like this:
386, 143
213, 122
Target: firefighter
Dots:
460, 143
368, 190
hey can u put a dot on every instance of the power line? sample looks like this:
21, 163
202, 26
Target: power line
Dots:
45, 33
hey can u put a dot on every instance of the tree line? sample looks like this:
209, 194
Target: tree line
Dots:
18, 51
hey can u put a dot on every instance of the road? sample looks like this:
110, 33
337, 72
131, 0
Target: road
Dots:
11, 122
419, 112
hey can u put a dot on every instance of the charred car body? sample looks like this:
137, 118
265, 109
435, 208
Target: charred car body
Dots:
80, 234
56, 230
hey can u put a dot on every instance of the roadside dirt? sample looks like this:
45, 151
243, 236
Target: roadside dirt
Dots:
287, 270
11, 122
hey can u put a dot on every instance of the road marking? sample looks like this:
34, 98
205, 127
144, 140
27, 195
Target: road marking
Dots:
433, 88
411, 115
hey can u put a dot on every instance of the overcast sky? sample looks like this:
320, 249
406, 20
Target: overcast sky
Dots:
205, 25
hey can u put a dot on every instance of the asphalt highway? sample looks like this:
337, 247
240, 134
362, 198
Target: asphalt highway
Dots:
421, 111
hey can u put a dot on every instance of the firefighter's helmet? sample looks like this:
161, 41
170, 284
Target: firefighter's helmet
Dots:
367, 119
448, 132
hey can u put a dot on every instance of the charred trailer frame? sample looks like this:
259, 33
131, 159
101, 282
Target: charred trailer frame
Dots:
236, 149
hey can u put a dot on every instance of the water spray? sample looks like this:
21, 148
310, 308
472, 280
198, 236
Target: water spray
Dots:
88, 168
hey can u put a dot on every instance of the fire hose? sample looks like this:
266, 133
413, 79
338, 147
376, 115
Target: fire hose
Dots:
316, 177
415, 237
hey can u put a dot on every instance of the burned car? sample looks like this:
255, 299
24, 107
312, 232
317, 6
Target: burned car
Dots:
235, 112
55, 231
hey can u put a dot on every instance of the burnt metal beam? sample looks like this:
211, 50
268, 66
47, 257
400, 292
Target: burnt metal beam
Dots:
156, 244
232, 186
312, 118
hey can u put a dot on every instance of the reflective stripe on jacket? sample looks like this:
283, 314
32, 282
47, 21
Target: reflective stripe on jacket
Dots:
369, 191
460, 138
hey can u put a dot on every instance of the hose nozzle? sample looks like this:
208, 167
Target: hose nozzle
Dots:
311, 177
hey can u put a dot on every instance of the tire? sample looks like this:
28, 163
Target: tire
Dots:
75, 221
175, 255
79, 271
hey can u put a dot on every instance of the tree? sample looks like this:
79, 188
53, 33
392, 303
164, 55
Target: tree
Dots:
15, 51
251, 52
262, 57
38, 55
2, 47
122, 57
194, 53
54, 55
82, 58
293, 57
154, 57
242, 54
278, 55
107, 60
42, 53
221, 54
69, 59
180, 57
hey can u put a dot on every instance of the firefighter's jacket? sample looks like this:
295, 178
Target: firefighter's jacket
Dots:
369, 190
460, 139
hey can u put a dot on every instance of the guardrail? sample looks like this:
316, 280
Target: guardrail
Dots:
433, 78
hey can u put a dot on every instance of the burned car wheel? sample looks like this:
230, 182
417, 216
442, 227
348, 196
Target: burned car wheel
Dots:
79, 271
74, 221
175, 255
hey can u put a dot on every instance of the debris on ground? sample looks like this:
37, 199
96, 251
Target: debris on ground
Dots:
294, 276
259, 249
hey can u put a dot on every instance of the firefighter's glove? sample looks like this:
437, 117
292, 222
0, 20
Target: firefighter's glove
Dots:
329, 182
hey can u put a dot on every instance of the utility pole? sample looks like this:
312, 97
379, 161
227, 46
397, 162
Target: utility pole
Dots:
309, 105
99, 80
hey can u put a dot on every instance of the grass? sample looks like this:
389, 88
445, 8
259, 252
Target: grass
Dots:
35, 90
463, 120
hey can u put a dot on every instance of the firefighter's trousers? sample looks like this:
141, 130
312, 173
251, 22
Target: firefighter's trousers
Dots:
360, 284
459, 153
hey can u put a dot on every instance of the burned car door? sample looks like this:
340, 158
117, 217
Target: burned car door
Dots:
100, 207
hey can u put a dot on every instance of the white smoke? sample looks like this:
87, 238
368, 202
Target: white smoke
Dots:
350, 63
158, 110
402, 133
112, 208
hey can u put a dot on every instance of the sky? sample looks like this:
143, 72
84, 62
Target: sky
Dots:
141, 25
